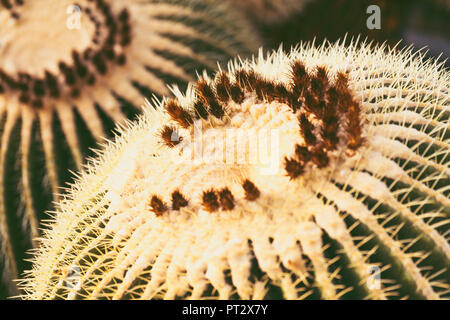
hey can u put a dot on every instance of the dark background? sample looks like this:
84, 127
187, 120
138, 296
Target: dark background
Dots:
418, 22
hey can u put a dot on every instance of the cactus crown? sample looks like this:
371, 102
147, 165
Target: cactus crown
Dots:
349, 200
70, 72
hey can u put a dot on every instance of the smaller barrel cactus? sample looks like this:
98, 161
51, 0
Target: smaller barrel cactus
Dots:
322, 173
69, 71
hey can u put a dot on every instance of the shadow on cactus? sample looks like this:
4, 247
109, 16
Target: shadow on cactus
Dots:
69, 72
321, 173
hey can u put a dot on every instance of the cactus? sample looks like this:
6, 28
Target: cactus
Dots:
347, 198
270, 11
70, 73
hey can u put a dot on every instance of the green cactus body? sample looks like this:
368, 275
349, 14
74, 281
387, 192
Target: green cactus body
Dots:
69, 73
348, 200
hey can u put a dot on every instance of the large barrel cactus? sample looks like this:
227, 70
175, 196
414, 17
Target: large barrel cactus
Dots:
69, 71
322, 173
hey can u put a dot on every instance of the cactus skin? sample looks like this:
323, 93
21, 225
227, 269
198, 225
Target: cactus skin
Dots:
44, 135
141, 224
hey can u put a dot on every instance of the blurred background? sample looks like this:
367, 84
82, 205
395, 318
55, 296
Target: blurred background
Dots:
418, 22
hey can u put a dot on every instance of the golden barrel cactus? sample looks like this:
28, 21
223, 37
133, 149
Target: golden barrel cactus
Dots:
321, 173
69, 71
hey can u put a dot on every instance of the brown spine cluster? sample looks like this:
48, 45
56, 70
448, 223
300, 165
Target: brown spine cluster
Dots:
212, 199
114, 30
178, 201
157, 206
293, 167
251, 191
326, 110
178, 114
12, 5
226, 199
353, 111
226, 90
332, 108
170, 136
208, 97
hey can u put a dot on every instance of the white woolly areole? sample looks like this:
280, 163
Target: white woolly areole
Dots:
121, 249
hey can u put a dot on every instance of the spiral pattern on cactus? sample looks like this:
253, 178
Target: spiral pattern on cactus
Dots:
70, 72
349, 198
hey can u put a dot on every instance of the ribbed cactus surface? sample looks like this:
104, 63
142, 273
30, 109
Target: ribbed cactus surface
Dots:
320, 173
70, 71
